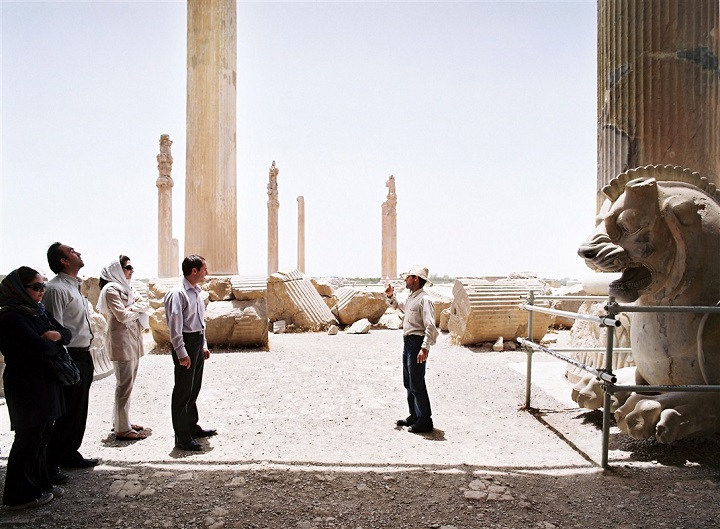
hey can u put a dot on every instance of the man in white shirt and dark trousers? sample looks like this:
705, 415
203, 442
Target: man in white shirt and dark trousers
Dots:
69, 307
185, 314
419, 334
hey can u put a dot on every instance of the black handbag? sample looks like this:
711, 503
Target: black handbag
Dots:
61, 365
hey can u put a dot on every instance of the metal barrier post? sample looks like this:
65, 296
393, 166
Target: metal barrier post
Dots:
607, 398
529, 352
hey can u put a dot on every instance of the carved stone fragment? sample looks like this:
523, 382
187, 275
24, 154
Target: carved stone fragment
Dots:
293, 298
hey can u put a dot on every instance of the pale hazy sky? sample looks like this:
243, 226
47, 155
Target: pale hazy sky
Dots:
485, 112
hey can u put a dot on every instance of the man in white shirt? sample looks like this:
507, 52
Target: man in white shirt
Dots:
419, 334
69, 307
185, 315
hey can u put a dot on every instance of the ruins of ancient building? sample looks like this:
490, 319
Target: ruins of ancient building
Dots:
389, 232
168, 251
293, 298
273, 205
301, 234
211, 179
483, 310
658, 87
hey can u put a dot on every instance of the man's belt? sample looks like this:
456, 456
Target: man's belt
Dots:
195, 332
79, 349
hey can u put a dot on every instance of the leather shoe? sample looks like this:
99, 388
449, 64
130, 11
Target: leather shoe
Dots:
59, 478
190, 446
411, 419
421, 426
79, 462
199, 432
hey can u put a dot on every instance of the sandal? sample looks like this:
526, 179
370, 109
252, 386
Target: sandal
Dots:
130, 435
137, 427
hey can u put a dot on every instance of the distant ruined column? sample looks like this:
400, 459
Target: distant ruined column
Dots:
389, 232
167, 246
210, 184
658, 86
273, 206
301, 234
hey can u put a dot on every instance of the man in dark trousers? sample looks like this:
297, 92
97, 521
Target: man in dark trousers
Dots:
419, 333
185, 314
69, 307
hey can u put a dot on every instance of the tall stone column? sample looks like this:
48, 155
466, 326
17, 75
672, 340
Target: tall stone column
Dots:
658, 86
389, 232
210, 184
167, 246
273, 205
301, 234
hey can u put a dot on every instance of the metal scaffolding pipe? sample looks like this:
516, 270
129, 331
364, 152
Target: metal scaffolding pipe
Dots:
664, 308
609, 322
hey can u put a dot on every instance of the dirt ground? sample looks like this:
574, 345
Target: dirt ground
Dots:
307, 439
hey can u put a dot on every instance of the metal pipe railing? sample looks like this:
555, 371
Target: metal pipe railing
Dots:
610, 321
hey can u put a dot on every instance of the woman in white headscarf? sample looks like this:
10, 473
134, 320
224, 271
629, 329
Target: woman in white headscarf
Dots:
125, 344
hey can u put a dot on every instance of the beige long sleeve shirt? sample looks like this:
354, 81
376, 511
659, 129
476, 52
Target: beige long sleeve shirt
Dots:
419, 316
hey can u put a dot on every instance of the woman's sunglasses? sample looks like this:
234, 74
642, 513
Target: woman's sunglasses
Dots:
37, 287
129, 268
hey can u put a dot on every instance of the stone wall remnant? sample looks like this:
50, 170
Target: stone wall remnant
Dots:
353, 305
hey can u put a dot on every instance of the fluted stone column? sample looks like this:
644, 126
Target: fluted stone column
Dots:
301, 234
658, 86
167, 251
273, 205
210, 185
389, 231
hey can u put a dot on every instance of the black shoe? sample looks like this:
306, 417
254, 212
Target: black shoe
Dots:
422, 426
45, 497
59, 478
79, 462
190, 446
199, 432
407, 422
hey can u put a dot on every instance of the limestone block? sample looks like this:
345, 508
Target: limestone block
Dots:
158, 326
330, 301
353, 305
228, 323
236, 323
444, 319
245, 287
219, 289
157, 288
392, 319
360, 327
90, 288
323, 286
567, 304
293, 298
102, 364
482, 310
440, 302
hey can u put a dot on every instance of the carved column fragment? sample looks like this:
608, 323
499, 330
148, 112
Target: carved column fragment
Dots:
210, 185
273, 205
658, 86
389, 232
167, 246
301, 234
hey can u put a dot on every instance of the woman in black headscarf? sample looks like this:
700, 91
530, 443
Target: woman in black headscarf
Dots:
32, 394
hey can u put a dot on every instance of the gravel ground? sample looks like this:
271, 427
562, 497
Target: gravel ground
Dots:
307, 439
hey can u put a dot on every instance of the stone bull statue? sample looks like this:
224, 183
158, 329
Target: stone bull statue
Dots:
660, 227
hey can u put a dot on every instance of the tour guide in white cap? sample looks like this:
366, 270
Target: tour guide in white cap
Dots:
419, 334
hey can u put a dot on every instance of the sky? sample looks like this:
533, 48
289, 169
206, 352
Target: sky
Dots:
485, 113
